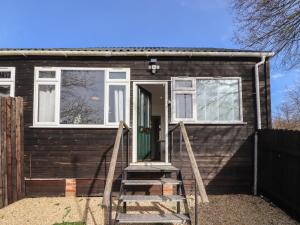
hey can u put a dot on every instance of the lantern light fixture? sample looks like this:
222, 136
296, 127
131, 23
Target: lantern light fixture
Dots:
153, 67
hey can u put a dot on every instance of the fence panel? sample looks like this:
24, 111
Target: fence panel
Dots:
11, 150
279, 167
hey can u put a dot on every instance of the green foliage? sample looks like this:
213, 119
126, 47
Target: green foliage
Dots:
70, 223
67, 211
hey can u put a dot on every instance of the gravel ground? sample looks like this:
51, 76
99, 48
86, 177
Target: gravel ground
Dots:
222, 209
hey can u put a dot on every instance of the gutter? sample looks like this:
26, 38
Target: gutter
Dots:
258, 120
66, 53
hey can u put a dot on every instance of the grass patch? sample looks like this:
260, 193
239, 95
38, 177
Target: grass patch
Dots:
67, 211
70, 223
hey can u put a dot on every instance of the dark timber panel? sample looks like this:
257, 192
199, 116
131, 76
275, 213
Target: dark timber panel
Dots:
224, 153
279, 168
11, 150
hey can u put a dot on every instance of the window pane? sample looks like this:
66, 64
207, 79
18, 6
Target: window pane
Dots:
46, 74
117, 75
218, 100
142, 110
46, 103
4, 90
212, 106
5, 74
229, 100
201, 100
82, 97
117, 106
207, 100
184, 106
183, 84
236, 101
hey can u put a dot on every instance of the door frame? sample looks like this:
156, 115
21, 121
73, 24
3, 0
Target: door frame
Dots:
134, 123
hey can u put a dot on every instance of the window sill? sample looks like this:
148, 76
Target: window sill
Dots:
75, 127
209, 123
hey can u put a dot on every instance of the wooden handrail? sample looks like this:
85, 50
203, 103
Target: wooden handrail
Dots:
112, 165
174, 128
126, 126
195, 169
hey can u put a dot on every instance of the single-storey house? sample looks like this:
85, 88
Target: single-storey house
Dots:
75, 98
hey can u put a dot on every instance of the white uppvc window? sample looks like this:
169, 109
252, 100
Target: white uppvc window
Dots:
207, 100
7, 81
81, 97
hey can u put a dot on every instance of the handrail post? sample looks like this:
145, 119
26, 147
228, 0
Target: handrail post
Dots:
180, 142
178, 191
122, 149
110, 208
196, 205
172, 146
127, 155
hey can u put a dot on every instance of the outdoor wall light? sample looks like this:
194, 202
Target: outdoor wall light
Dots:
153, 67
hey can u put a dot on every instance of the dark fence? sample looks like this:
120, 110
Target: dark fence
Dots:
279, 168
11, 150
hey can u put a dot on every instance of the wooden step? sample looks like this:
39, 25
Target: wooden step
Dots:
151, 182
151, 168
148, 218
151, 198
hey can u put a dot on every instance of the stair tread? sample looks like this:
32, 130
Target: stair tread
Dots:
151, 182
151, 168
152, 198
152, 218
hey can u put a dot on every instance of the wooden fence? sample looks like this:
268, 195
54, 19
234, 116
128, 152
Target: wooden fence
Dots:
11, 150
279, 168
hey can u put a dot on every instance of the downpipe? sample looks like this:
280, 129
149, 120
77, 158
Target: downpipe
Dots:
258, 120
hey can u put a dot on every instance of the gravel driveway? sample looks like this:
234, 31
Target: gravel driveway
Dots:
222, 209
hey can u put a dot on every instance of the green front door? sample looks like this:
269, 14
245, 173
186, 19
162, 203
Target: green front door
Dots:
143, 124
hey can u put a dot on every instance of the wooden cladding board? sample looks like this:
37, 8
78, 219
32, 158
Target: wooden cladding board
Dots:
224, 153
279, 168
11, 150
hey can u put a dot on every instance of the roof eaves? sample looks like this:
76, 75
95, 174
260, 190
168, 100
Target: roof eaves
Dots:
136, 52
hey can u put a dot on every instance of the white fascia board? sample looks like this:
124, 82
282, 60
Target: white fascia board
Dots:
67, 53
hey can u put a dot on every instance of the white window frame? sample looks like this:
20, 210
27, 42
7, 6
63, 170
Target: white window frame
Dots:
193, 90
9, 81
57, 82
127, 79
174, 79
178, 119
127, 99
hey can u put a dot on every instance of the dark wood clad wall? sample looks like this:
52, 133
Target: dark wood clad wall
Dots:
224, 152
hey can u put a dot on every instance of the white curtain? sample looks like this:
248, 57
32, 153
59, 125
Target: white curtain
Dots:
46, 110
184, 106
119, 104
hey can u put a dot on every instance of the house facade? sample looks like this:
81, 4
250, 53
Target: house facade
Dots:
75, 98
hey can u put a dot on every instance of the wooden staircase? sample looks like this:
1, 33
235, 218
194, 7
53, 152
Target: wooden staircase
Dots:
129, 181
135, 176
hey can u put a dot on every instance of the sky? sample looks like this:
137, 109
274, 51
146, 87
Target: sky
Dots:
123, 23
